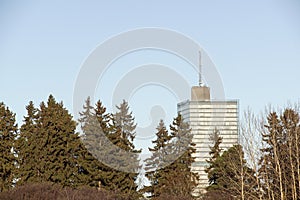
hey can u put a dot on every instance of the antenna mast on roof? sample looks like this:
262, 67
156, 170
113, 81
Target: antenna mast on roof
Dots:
200, 71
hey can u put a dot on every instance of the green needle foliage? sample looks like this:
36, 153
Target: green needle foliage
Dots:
49, 149
123, 136
124, 121
181, 180
174, 152
109, 141
97, 129
27, 148
8, 131
230, 176
215, 153
91, 120
157, 160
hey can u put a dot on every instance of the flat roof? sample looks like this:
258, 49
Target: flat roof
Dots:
209, 102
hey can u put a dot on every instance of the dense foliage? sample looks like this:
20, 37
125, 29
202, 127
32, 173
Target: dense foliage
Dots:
169, 167
8, 130
48, 158
49, 149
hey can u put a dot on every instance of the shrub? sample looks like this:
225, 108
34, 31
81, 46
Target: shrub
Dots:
41, 191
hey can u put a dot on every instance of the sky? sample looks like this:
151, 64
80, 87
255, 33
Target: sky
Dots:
254, 46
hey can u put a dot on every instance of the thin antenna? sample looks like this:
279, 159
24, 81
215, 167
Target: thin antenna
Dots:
200, 70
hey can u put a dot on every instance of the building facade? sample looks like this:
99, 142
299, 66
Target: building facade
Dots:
204, 116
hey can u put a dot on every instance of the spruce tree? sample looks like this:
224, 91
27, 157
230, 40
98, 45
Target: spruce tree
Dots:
155, 164
215, 153
174, 151
8, 131
92, 136
104, 119
97, 130
26, 147
180, 178
109, 140
233, 178
56, 150
124, 121
58, 143
122, 136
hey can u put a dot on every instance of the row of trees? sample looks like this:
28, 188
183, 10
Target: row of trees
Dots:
271, 147
47, 148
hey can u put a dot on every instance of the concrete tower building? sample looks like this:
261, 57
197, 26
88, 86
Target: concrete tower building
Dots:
204, 116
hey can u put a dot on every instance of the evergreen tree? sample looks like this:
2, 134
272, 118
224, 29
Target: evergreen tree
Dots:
233, 177
109, 140
122, 136
124, 121
215, 153
181, 180
94, 170
157, 161
175, 149
26, 147
98, 131
104, 119
56, 150
8, 131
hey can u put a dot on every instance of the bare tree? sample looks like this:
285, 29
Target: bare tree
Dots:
250, 139
279, 163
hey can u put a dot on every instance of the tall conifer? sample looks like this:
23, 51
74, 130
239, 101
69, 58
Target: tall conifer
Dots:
123, 135
109, 139
215, 153
182, 146
155, 164
8, 131
27, 147
174, 151
50, 149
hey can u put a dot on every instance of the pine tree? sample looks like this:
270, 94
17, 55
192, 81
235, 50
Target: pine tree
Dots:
97, 129
215, 153
8, 132
181, 180
92, 136
26, 147
234, 178
122, 136
58, 143
109, 140
56, 150
174, 152
103, 118
154, 164
124, 120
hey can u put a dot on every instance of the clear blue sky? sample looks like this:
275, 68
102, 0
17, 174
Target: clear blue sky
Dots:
255, 46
